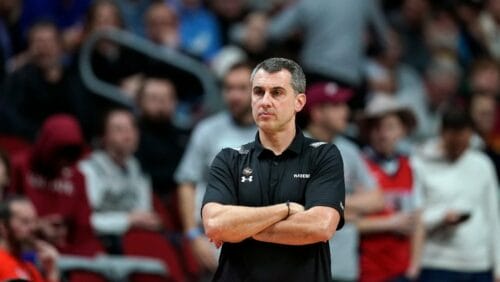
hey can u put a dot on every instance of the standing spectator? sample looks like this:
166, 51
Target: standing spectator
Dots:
334, 34
391, 239
161, 144
230, 128
328, 114
460, 206
17, 235
47, 176
120, 194
410, 22
43, 86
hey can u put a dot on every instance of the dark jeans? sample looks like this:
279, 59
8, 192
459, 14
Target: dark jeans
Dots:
439, 275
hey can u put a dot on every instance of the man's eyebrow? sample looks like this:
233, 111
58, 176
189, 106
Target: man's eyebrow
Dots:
272, 88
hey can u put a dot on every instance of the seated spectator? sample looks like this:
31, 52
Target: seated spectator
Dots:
4, 172
162, 143
43, 86
47, 176
392, 238
17, 236
162, 25
459, 190
199, 30
328, 114
120, 193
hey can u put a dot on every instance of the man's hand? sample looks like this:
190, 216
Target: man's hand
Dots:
204, 253
145, 220
48, 257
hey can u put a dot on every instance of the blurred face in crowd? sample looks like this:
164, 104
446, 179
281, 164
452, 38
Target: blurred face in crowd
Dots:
237, 92
162, 25
455, 142
415, 11
158, 99
20, 228
386, 133
441, 87
486, 80
106, 16
331, 116
230, 9
483, 113
274, 101
45, 46
120, 137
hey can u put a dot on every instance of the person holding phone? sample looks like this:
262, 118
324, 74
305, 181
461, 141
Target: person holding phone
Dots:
459, 190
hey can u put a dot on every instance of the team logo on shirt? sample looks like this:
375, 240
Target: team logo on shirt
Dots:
247, 175
301, 175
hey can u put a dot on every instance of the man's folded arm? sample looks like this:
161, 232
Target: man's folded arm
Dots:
317, 224
230, 223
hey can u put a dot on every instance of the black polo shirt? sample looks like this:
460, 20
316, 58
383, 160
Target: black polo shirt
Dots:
307, 172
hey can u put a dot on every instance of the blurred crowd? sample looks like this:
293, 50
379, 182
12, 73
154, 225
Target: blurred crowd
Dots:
406, 89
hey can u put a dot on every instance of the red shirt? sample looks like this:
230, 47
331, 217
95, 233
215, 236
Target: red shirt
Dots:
387, 255
14, 268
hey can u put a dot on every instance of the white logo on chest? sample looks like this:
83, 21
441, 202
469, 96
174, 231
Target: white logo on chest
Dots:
245, 179
301, 175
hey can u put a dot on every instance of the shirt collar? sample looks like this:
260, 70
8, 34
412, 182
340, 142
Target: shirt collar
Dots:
294, 147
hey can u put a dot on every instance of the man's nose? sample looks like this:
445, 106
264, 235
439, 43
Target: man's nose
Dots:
266, 99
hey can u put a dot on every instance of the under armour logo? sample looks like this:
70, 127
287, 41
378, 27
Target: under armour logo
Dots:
342, 205
245, 179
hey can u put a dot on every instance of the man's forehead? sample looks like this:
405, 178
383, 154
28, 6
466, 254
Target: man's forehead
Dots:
266, 79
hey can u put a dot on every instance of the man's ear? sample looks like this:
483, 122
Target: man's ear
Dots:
300, 102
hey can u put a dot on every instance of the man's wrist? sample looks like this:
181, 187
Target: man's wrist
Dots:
193, 233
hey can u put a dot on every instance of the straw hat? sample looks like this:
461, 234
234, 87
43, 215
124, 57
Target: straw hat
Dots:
383, 105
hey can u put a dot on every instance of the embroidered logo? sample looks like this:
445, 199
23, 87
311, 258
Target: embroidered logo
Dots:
247, 171
301, 175
245, 179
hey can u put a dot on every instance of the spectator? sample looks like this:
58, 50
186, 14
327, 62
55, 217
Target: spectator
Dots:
328, 114
47, 176
43, 86
133, 12
162, 25
409, 22
228, 13
232, 127
12, 39
17, 235
4, 172
442, 80
333, 45
483, 110
391, 239
462, 224
120, 194
162, 143
199, 30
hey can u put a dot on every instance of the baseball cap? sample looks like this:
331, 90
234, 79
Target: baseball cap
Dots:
327, 92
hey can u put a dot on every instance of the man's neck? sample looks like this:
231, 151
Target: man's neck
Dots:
118, 159
279, 141
318, 132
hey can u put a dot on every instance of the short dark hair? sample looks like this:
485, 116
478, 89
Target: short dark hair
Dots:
456, 119
6, 206
105, 117
273, 65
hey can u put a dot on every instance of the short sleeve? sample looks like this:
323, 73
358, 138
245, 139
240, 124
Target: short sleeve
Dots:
221, 187
192, 165
326, 186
